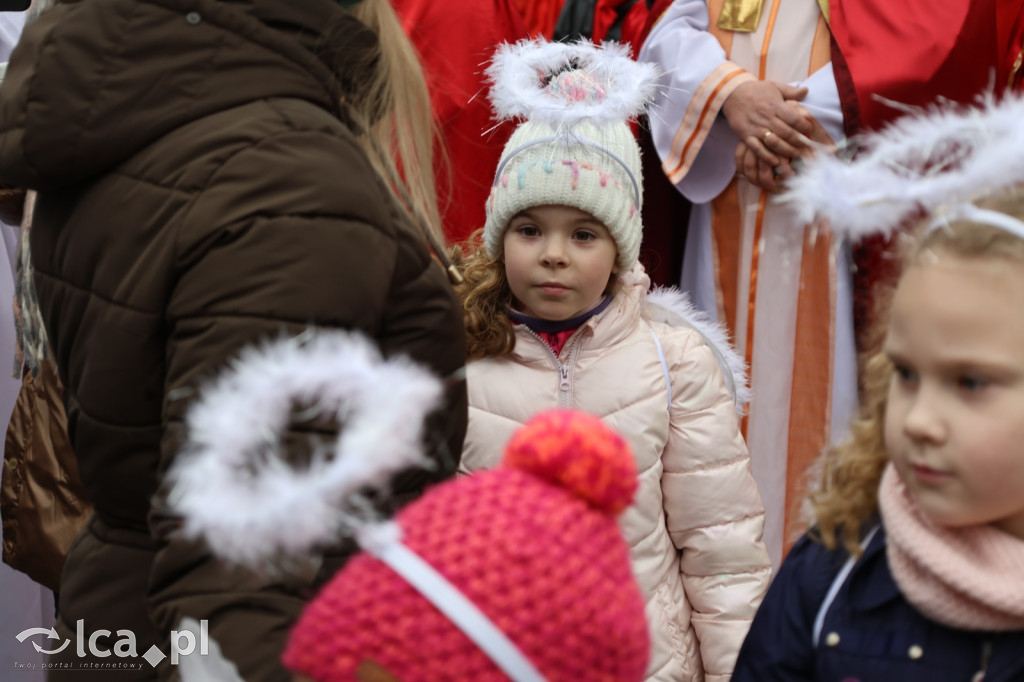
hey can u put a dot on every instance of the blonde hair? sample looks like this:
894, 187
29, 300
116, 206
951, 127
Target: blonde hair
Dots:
401, 134
847, 496
485, 296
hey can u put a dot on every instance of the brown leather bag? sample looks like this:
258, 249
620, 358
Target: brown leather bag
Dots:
42, 501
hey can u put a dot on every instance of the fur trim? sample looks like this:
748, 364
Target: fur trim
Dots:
931, 162
520, 73
233, 488
673, 307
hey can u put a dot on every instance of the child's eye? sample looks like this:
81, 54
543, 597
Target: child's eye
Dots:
971, 383
904, 374
528, 230
584, 235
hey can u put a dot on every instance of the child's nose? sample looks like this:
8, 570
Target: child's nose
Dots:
554, 252
923, 420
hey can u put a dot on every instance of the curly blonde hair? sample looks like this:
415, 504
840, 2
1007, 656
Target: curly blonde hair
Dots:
847, 496
485, 297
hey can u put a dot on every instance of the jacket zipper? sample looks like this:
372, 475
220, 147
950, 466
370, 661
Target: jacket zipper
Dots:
565, 371
986, 654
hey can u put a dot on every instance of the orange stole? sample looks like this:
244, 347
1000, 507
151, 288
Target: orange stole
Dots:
810, 402
811, 394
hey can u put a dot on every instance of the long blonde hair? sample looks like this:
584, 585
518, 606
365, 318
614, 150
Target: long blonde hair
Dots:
847, 497
402, 135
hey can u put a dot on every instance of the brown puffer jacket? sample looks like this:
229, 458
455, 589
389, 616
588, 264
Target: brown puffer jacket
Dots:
200, 189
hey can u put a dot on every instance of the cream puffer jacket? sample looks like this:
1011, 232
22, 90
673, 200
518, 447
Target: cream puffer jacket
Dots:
695, 526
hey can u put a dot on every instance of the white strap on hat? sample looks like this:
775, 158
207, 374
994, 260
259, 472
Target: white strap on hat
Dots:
383, 542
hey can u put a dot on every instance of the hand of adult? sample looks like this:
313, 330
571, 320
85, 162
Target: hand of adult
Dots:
764, 175
771, 177
767, 117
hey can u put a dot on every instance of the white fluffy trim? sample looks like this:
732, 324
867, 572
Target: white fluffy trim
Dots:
673, 307
231, 486
520, 72
931, 162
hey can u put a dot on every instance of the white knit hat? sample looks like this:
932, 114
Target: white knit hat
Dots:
576, 147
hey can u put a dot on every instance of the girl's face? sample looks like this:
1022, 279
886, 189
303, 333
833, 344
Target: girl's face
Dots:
954, 424
558, 261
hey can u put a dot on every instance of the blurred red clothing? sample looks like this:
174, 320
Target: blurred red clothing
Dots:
540, 15
915, 52
456, 39
633, 19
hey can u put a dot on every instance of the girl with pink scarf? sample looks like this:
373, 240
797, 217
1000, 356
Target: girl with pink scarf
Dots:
913, 569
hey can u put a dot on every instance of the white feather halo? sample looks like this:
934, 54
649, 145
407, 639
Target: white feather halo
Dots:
520, 72
931, 162
252, 507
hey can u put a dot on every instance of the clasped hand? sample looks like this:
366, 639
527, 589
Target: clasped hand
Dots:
774, 129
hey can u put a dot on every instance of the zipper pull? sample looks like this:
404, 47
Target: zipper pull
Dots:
986, 654
563, 371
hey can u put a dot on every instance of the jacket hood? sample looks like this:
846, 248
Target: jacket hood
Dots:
94, 81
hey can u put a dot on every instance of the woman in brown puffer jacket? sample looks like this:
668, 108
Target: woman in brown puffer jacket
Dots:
203, 185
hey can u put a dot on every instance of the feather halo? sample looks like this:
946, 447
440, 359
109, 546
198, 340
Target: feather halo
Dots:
931, 162
231, 487
519, 75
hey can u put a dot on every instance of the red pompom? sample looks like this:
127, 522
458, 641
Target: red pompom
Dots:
578, 452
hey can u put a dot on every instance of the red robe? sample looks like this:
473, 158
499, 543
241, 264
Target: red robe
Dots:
914, 52
456, 39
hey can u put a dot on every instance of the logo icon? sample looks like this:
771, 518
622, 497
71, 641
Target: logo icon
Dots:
51, 634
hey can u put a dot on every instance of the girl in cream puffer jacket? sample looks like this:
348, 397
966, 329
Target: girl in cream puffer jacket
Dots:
540, 338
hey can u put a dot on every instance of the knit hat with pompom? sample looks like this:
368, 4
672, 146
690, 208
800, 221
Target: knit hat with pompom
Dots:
533, 544
575, 147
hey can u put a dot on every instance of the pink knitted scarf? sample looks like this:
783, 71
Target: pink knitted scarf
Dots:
968, 578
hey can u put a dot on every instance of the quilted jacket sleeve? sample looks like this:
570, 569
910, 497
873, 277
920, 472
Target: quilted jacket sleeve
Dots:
712, 506
271, 249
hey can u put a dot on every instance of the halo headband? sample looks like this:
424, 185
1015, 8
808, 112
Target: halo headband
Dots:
972, 213
942, 161
567, 139
519, 75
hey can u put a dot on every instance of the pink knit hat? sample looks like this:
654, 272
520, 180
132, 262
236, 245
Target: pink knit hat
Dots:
533, 544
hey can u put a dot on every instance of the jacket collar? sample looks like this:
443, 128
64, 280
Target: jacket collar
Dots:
871, 583
605, 329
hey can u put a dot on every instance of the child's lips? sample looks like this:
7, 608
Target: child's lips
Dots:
552, 288
928, 475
